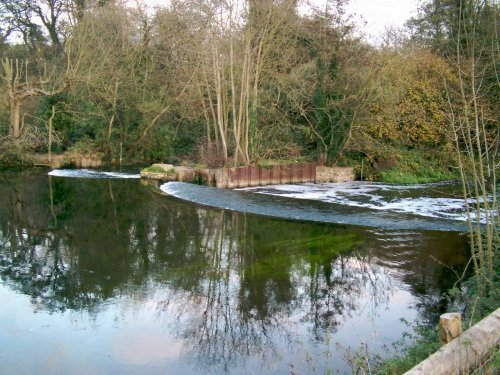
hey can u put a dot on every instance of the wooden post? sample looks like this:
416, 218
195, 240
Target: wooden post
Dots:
450, 326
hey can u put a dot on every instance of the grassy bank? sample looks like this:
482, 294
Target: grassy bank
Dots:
398, 165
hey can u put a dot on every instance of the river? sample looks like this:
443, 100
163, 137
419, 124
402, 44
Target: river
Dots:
102, 274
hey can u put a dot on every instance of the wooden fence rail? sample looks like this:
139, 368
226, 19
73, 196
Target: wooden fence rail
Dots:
464, 353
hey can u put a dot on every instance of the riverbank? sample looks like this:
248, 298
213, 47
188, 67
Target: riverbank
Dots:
12, 157
399, 165
395, 166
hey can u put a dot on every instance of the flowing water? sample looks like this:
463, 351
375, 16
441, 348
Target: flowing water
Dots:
102, 274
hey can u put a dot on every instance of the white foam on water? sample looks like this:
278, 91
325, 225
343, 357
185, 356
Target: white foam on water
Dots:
168, 189
376, 197
88, 173
368, 206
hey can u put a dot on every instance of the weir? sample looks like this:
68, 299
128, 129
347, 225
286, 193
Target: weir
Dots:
250, 176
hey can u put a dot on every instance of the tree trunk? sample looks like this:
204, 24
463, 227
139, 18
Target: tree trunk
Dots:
15, 118
51, 120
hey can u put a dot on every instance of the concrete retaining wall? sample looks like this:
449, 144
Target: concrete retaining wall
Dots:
327, 174
68, 159
249, 176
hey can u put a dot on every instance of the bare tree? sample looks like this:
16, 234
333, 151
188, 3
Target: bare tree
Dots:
25, 17
240, 39
475, 134
20, 86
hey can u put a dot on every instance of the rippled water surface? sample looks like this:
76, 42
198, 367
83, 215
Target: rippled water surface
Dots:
102, 274
428, 207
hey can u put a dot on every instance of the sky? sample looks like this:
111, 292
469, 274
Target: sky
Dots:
379, 14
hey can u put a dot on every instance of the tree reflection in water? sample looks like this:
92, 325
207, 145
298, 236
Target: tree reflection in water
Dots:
237, 285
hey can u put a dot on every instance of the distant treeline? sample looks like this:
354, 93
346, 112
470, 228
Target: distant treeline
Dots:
229, 82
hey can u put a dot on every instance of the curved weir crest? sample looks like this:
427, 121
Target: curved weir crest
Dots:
88, 173
356, 203
408, 207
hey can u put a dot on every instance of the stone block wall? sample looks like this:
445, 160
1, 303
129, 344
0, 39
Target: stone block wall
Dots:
334, 174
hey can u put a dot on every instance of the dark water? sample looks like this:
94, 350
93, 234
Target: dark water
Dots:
106, 276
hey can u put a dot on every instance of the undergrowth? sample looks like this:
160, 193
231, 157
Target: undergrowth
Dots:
14, 155
157, 169
400, 165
